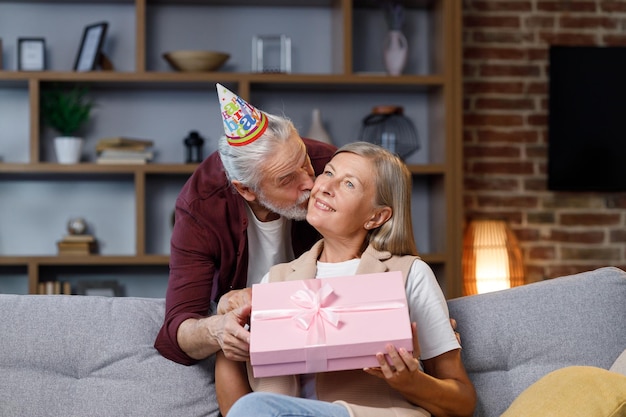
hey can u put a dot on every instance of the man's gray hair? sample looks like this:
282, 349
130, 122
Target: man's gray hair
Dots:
245, 163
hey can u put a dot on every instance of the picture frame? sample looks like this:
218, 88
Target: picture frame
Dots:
271, 54
31, 54
99, 288
89, 51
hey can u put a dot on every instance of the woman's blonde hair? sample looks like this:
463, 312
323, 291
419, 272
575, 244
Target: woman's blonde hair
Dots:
393, 183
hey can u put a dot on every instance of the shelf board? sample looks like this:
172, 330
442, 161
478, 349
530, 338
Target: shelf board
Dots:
93, 168
112, 260
150, 78
123, 260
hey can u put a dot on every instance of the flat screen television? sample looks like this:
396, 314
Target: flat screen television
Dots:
587, 119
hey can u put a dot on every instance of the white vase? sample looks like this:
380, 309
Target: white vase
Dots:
395, 52
317, 131
68, 149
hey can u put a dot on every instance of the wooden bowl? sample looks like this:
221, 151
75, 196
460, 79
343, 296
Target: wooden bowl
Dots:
188, 60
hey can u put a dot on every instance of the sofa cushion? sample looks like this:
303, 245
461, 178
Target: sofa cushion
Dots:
575, 391
93, 356
514, 337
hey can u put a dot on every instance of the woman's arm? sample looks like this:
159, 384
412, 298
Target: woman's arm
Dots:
444, 389
231, 381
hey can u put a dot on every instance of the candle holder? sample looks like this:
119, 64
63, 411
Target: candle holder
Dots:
193, 144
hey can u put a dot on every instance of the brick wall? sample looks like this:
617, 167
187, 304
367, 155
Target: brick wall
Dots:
505, 47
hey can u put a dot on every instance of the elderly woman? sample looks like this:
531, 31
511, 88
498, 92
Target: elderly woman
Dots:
361, 205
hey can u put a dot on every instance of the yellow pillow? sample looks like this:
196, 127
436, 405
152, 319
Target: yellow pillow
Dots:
575, 391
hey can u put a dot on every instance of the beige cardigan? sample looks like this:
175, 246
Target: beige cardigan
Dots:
364, 395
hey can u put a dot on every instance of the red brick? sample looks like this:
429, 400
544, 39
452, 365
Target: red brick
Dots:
510, 168
504, 104
613, 6
540, 217
542, 252
588, 237
527, 234
485, 21
569, 38
566, 6
494, 53
539, 151
587, 22
617, 236
493, 37
494, 70
517, 136
498, 87
535, 184
616, 201
474, 152
501, 201
540, 22
614, 40
590, 253
589, 219
498, 6
490, 184
509, 120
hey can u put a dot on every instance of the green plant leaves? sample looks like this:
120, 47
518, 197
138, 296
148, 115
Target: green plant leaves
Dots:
66, 111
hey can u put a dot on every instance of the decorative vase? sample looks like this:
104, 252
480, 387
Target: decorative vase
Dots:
396, 48
68, 149
317, 131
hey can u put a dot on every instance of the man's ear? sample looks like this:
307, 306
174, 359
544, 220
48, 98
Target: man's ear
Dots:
379, 218
244, 191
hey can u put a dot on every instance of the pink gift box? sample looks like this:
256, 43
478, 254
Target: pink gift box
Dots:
328, 324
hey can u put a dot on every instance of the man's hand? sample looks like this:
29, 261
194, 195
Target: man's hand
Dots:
233, 300
233, 338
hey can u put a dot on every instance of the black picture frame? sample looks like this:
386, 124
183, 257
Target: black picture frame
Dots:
99, 288
31, 54
91, 42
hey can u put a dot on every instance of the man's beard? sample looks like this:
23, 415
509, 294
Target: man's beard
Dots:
295, 212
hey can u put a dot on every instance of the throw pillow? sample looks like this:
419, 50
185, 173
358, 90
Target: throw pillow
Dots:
575, 391
620, 364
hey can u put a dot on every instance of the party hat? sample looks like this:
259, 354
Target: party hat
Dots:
243, 123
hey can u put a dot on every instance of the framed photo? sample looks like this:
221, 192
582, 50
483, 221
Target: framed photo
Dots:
31, 54
99, 288
89, 51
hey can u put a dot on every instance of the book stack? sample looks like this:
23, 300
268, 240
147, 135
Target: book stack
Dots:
54, 288
120, 150
77, 245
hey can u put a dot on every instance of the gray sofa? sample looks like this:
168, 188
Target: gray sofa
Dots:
76, 356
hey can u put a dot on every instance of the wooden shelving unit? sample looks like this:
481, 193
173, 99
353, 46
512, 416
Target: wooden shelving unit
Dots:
431, 91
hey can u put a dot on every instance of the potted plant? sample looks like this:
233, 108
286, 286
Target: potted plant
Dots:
66, 111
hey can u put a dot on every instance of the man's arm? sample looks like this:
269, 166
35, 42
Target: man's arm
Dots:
200, 338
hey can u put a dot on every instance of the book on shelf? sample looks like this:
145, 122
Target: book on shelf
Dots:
120, 142
54, 288
121, 156
79, 238
77, 247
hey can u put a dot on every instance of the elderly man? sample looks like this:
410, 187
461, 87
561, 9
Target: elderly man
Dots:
241, 211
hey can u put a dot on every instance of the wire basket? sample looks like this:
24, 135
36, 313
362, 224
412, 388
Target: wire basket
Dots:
388, 127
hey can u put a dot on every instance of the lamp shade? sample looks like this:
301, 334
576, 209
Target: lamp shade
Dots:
492, 259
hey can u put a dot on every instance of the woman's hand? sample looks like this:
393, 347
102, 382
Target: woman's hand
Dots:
402, 366
233, 300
